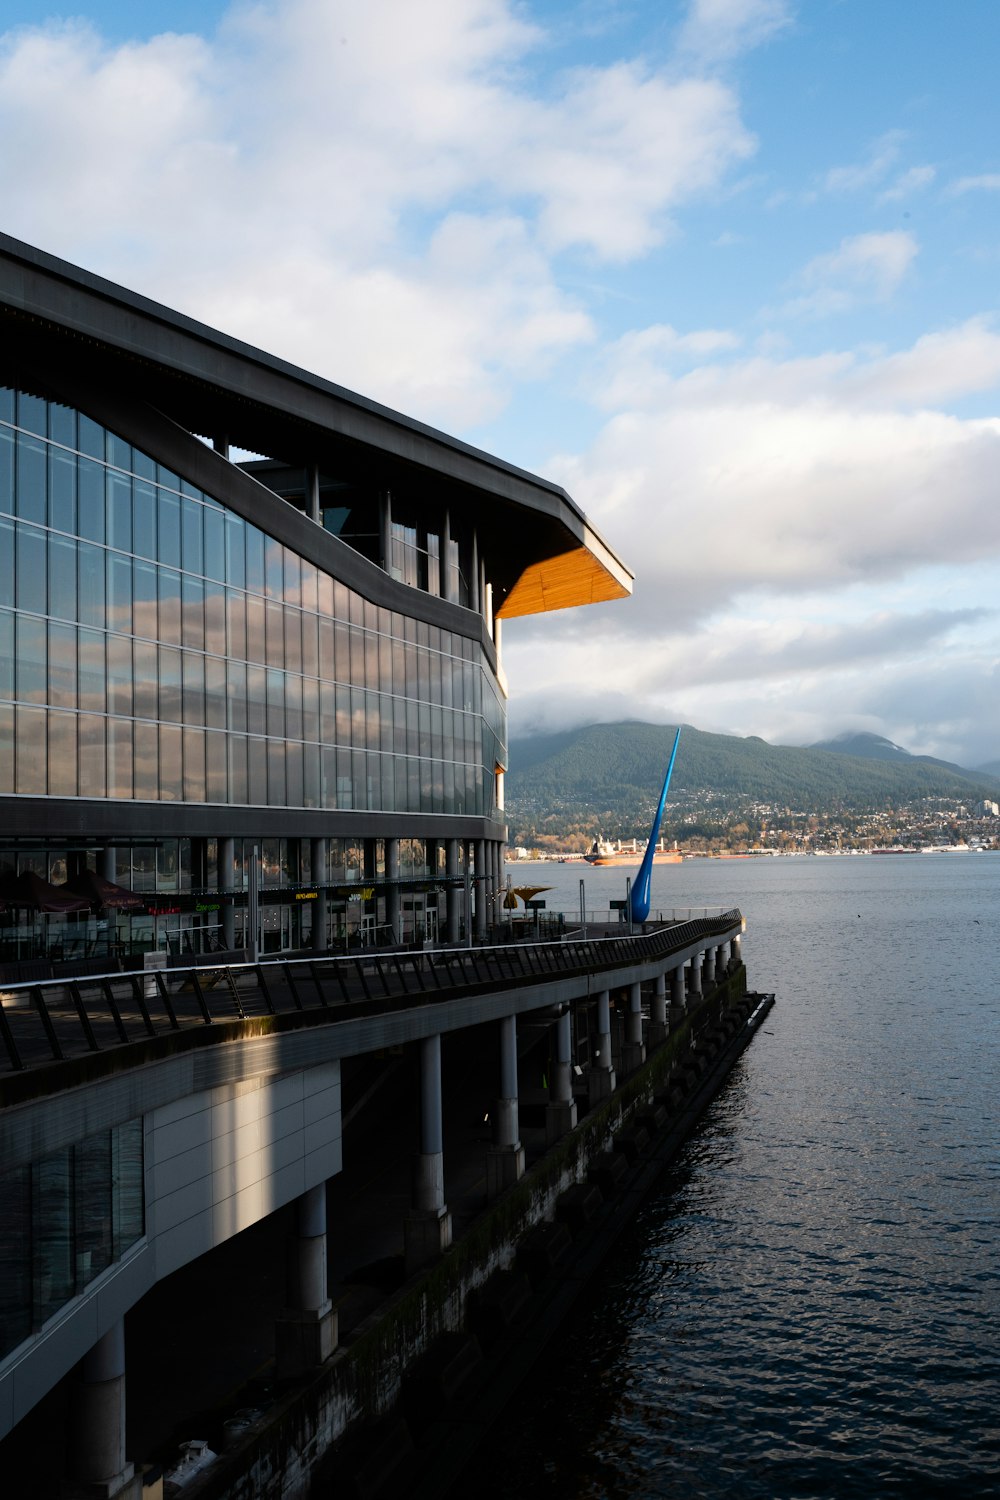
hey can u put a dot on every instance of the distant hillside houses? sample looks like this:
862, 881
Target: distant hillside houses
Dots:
986, 810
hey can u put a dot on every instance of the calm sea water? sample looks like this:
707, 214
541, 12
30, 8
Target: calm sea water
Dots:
810, 1305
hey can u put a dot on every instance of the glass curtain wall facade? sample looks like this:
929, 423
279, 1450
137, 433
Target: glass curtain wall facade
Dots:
155, 646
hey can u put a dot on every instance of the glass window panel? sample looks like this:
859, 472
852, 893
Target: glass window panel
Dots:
119, 675
193, 677
62, 755
275, 772
6, 654
17, 1264
343, 730
215, 543
32, 678
147, 761
120, 758
32, 760
357, 656
144, 611
386, 729
256, 649
276, 703
311, 794
7, 448
215, 692
256, 700
119, 616
7, 403
449, 787
257, 770
169, 528
119, 501
62, 577
92, 678
342, 651
127, 1188
92, 1182
215, 618
32, 486
293, 640
146, 669
275, 616
62, 665
310, 648
327, 712
50, 1233
388, 793
216, 785
325, 666
238, 786
236, 694
255, 560
91, 437
6, 753
144, 519
170, 685
324, 593
194, 765
91, 751
292, 586
169, 591
193, 612
236, 563
32, 569
236, 624
274, 569
371, 660
309, 585
171, 788
192, 548
143, 466
62, 490
90, 508
293, 706
90, 578
328, 776
310, 708
119, 452
62, 424
293, 774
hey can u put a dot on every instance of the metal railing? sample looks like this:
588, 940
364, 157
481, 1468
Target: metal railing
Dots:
55, 1021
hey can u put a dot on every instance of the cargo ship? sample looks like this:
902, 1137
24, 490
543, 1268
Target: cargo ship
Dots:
604, 852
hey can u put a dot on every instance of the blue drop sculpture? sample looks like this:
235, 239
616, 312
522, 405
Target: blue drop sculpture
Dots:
639, 909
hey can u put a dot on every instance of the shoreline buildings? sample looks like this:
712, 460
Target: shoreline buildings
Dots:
251, 705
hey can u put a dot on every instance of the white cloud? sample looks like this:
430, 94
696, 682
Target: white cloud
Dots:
864, 267
882, 156
986, 182
914, 180
718, 30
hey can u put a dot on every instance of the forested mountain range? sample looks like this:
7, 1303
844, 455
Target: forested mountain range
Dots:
607, 777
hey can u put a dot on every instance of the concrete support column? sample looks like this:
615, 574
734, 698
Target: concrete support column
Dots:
312, 494
392, 904
447, 591
427, 1231
678, 999
107, 865
737, 950
97, 1460
454, 897
601, 1080
227, 879
385, 531
708, 967
306, 1331
721, 968
694, 978
474, 594
658, 1012
221, 444
319, 863
633, 1051
505, 1158
560, 1112
481, 896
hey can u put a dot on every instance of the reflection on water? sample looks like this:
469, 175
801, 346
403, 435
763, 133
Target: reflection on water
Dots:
810, 1305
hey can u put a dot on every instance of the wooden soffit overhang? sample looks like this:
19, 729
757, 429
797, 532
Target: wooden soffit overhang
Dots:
587, 574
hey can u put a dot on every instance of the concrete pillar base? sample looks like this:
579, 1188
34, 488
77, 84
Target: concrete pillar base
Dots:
560, 1119
124, 1486
304, 1340
633, 1056
676, 1015
504, 1166
657, 1034
426, 1236
600, 1085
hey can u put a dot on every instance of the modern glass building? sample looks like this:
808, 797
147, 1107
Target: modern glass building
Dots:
252, 704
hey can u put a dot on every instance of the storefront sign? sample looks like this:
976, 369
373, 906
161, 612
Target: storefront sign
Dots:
306, 895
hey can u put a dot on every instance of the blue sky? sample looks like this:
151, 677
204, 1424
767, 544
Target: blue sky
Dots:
726, 269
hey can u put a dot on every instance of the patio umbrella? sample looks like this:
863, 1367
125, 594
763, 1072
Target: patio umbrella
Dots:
31, 891
99, 892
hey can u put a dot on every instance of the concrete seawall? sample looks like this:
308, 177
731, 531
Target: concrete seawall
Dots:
399, 1408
